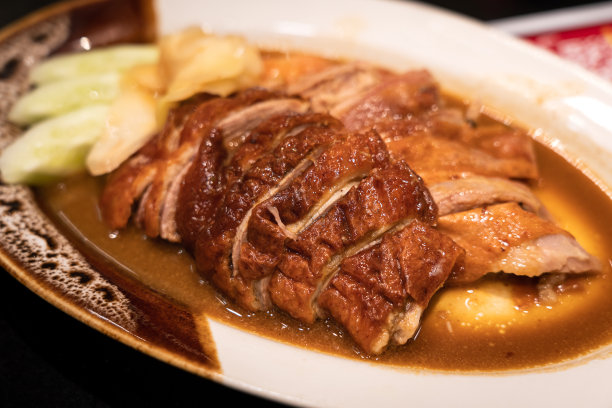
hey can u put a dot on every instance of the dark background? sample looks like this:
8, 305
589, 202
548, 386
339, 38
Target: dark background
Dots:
480, 9
48, 359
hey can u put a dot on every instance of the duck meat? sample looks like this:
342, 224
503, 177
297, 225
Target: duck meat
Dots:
379, 294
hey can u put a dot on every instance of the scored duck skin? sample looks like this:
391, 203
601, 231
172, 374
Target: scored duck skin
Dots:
400, 106
345, 163
467, 166
474, 192
159, 163
268, 135
200, 190
199, 187
406, 108
379, 294
387, 198
394, 107
199, 129
326, 214
273, 171
126, 184
504, 237
204, 185
439, 159
236, 125
337, 84
263, 103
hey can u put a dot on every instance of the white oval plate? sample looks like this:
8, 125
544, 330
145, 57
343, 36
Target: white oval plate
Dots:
555, 99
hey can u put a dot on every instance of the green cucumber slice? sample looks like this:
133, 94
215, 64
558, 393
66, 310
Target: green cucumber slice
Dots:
63, 96
53, 148
100, 60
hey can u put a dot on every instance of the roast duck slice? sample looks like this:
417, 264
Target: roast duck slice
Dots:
309, 201
466, 167
380, 293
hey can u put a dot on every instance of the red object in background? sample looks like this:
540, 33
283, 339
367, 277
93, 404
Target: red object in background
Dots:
590, 47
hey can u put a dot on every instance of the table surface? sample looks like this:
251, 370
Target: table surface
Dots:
45, 355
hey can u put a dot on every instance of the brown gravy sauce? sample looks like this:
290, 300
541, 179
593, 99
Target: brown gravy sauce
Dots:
494, 324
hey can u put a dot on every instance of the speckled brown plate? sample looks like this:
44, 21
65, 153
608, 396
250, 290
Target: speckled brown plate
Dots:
33, 250
534, 89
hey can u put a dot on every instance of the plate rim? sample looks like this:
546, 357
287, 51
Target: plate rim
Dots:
19, 272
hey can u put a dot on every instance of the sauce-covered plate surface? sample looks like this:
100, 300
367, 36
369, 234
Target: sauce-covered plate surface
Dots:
489, 342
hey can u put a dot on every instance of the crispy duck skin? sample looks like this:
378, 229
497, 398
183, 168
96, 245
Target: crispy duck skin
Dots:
126, 184
159, 163
379, 294
504, 237
203, 186
237, 125
268, 135
345, 163
200, 190
318, 204
438, 142
409, 114
439, 159
201, 128
394, 107
248, 109
476, 191
337, 84
502, 143
271, 172
387, 198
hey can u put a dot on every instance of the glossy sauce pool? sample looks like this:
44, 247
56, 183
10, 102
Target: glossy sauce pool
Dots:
494, 324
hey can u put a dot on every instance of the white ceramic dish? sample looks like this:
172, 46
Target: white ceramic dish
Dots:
557, 100
563, 105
